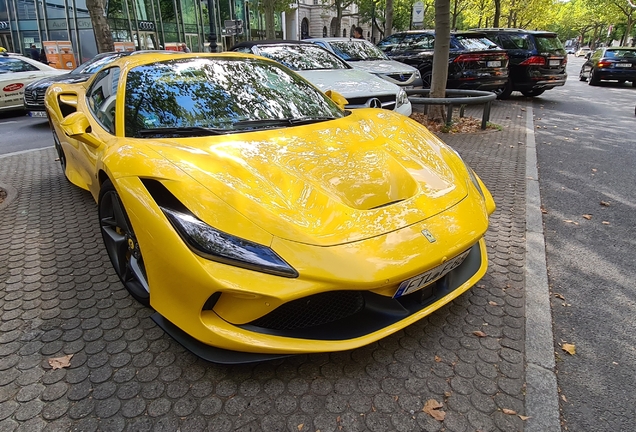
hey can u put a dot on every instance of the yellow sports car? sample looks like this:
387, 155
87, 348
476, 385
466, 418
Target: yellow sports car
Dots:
256, 215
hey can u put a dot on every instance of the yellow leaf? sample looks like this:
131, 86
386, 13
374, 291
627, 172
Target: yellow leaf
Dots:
300, 426
524, 418
605, 223
60, 362
438, 359
557, 295
605, 204
564, 398
587, 216
479, 333
492, 303
569, 348
509, 411
432, 408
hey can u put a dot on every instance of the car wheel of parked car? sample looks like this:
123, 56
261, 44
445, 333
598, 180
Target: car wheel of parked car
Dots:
427, 77
121, 243
582, 77
531, 93
505, 92
593, 79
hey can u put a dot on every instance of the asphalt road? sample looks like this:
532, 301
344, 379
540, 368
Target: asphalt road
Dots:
19, 132
587, 154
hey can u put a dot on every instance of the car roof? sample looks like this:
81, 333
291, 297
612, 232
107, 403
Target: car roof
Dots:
249, 44
453, 32
337, 39
514, 30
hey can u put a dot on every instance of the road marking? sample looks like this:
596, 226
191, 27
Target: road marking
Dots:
2, 156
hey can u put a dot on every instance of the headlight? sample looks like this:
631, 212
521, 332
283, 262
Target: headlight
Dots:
225, 248
417, 74
402, 98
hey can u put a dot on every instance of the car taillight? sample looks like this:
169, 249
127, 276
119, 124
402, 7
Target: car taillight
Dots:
467, 58
534, 61
603, 63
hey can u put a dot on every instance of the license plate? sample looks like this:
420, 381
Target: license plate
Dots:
555, 62
493, 63
628, 65
37, 114
420, 281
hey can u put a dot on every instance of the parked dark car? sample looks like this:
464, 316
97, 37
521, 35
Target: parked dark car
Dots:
474, 62
34, 92
610, 63
537, 60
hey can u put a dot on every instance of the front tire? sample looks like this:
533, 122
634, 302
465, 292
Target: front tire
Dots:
121, 243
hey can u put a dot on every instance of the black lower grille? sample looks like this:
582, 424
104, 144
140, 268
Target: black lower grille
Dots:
312, 311
33, 97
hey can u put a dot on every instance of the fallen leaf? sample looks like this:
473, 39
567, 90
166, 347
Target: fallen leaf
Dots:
543, 210
605, 223
492, 303
300, 426
438, 359
523, 109
564, 398
479, 333
60, 362
432, 408
569, 348
557, 295
524, 418
576, 128
605, 204
587, 216
509, 411
570, 221
594, 170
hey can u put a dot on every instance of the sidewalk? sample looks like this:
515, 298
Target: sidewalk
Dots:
59, 296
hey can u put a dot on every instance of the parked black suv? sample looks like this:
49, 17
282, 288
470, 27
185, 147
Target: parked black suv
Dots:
537, 59
474, 62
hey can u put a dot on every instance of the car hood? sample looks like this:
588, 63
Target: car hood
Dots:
330, 183
349, 83
66, 78
383, 67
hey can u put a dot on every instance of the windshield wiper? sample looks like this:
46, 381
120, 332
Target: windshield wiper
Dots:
182, 131
282, 121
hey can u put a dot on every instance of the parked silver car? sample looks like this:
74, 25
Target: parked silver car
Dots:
362, 54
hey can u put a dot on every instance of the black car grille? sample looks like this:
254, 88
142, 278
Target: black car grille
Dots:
34, 97
312, 311
400, 77
388, 101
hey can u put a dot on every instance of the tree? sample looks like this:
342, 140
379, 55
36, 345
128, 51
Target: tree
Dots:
440, 57
103, 35
339, 6
269, 8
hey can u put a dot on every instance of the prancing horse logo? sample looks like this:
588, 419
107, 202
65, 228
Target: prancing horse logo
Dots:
426, 233
374, 103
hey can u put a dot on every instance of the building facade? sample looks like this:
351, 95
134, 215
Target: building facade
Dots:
155, 24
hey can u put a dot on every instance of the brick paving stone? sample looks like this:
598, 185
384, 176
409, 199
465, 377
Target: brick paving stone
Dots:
59, 295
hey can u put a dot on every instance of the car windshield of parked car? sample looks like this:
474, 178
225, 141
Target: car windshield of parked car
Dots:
549, 44
620, 53
472, 43
357, 51
12, 64
204, 96
95, 64
302, 57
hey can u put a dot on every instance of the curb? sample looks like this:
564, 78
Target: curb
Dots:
542, 403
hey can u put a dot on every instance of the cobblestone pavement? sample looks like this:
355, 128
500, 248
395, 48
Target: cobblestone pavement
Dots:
60, 296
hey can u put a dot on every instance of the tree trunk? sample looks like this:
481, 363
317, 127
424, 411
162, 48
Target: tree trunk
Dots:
103, 35
495, 21
454, 14
388, 23
270, 30
440, 57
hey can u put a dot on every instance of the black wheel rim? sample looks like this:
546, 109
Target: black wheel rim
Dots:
426, 80
121, 245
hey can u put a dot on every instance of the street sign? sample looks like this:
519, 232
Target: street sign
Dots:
418, 12
232, 27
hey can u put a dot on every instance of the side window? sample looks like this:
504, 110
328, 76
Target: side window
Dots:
418, 42
517, 42
506, 43
12, 64
102, 97
390, 42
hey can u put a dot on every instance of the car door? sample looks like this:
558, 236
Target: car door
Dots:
15, 74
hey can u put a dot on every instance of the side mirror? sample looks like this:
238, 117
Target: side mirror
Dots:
76, 126
337, 98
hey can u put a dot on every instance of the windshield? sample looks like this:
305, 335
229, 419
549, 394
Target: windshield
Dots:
95, 64
357, 50
226, 95
549, 44
302, 57
474, 43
